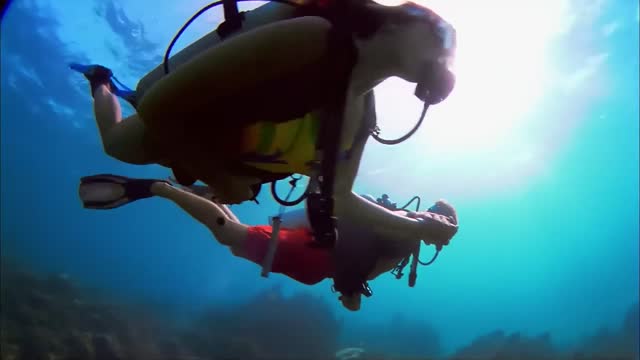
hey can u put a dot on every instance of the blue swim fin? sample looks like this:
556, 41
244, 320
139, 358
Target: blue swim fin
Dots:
83, 69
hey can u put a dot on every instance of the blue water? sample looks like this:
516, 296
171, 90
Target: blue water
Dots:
548, 243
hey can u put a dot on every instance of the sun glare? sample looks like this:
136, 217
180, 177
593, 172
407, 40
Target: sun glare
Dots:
501, 71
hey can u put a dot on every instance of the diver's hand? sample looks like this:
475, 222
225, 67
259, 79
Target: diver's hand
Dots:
440, 223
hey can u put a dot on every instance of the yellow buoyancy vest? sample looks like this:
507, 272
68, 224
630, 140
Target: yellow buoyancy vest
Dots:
288, 147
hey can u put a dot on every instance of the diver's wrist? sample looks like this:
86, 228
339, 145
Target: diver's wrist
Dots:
411, 214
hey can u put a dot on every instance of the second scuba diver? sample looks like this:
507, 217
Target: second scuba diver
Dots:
360, 256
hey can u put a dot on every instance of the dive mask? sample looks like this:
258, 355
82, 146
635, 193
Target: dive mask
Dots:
437, 80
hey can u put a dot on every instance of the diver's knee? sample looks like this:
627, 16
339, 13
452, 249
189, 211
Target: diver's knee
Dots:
120, 156
111, 149
235, 251
221, 240
220, 230
120, 152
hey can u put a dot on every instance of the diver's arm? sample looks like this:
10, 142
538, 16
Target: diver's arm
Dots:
378, 219
365, 213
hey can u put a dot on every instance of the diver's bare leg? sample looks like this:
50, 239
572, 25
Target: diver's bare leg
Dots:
229, 214
205, 192
122, 140
226, 230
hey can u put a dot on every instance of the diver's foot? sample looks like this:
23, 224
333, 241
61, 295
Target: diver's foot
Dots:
140, 188
96, 74
161, 187
106, 191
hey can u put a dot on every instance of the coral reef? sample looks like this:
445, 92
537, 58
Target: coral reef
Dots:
620, 343
269, 326
404, 336
51, 318
498, 345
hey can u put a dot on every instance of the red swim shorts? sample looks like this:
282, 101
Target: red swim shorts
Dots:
294, 257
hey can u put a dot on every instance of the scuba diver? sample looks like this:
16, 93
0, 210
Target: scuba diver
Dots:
288, 96
360, 256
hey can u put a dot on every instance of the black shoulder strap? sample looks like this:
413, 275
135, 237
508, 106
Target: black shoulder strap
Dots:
323, 223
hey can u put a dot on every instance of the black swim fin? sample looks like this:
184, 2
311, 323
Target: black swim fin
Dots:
98, 191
